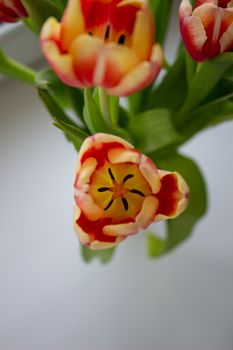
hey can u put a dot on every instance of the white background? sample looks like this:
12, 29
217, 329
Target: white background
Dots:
51, 300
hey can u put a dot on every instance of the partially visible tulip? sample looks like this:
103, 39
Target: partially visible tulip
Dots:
119, 192
207, 28
11, 10
107, 43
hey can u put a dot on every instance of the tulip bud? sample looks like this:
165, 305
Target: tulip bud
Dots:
207, 28
11, 10
103, 43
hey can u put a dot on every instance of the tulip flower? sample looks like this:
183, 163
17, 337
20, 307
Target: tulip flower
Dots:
103, 43
11, 10
207, 28
119, 192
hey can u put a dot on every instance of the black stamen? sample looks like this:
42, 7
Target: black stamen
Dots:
137, 192
111, 174
121, 39
109, 205
103, 189
90, 33
127, 177
125, 203
107, 32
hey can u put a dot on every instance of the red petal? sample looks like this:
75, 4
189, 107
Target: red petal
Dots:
101, 11
100, 152
168, 196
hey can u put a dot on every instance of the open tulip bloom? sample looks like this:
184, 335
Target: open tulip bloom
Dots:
119, 191
100, 86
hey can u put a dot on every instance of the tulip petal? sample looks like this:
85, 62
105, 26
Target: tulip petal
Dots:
143, 34
137, 3
72, 23
11, 11
88, 167
141, 76
214, 2
83, 236
148, 212
62, 64
91, 210
114, 61
208, 14
51, 30
116, 155
150, 173
95, 141
124, 230
173, 195
98, 245
226, 41
85, 50
185, 9
143, 220
194, 36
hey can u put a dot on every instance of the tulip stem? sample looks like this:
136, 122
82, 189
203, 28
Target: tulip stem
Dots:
16, 70
104, 105
166, 65
199, 65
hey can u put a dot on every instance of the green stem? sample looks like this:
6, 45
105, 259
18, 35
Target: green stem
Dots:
104, 105
199, 65
166, 65
191, 68
16, 70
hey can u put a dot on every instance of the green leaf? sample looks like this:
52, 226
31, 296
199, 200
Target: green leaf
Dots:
191, 67
104, 255
53, 107
208, 115
162, 14
65, 96
155, 245
229, 74
16, 70
206, 78
154, 130
61, 3
74, 134
172, 91
39, 11
179, 229
114, 109
92, 115
46, 79
76, 98
137, 102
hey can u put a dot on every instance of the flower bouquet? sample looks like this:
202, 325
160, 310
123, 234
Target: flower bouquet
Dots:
110, 89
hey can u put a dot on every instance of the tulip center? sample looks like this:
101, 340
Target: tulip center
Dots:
119, 189
110, 35
112, 21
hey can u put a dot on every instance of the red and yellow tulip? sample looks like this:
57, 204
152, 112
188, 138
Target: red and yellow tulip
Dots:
207, 28
11, 10
107, 43
119, 191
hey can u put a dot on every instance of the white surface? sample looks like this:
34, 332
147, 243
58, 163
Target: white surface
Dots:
19, 42
51, 300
